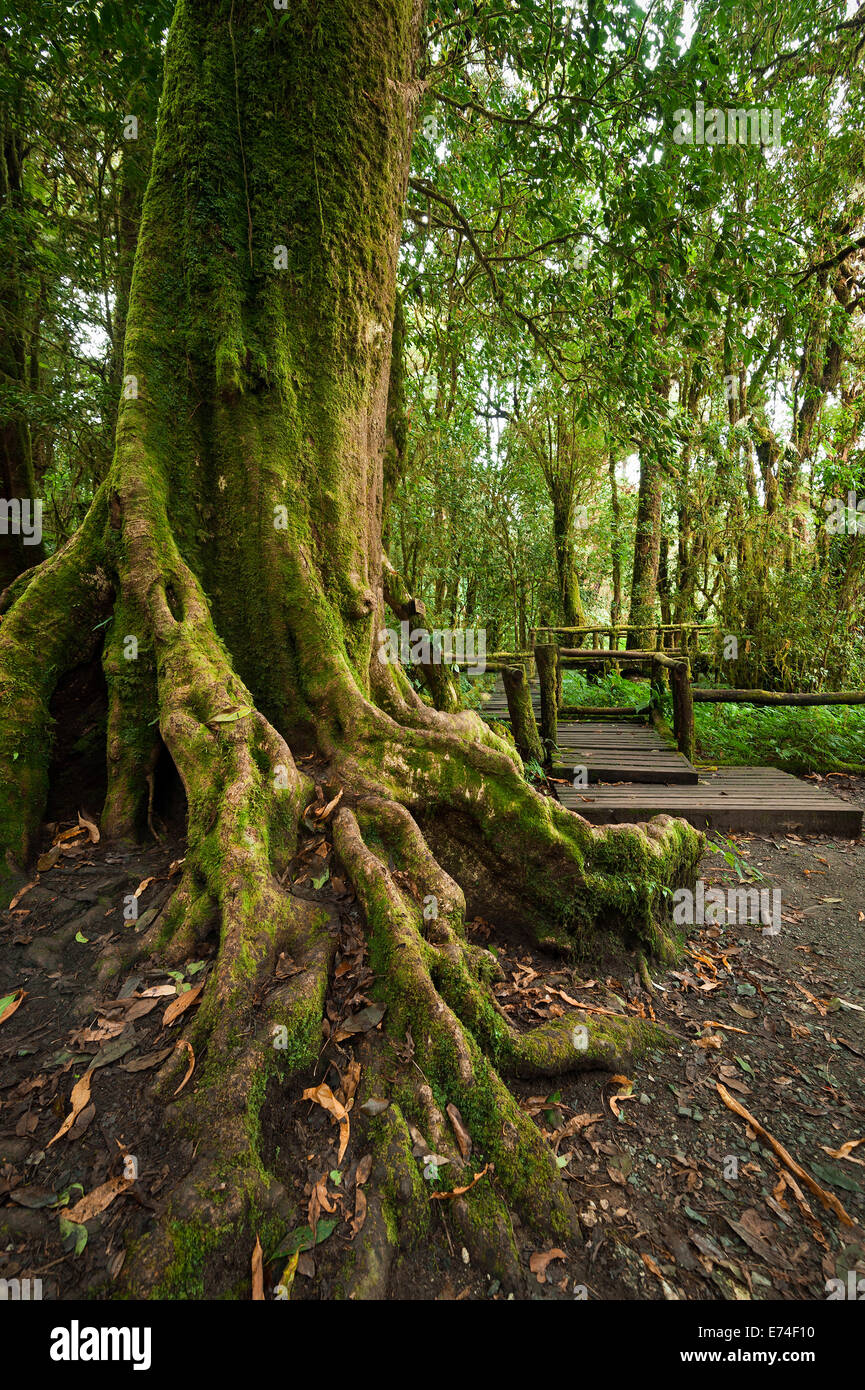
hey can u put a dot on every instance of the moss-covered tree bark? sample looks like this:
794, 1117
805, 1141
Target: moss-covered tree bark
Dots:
238, 539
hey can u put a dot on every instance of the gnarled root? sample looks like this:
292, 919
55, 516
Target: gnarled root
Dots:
443, 1018
50, 627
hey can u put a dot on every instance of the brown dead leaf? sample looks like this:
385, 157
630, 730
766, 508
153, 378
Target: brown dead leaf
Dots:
539, 1261
624, 1094
14, 1003
65, 835
458, 1191
322, 1095
257, 1273
359, 1211
183, 1042
138, 1008
97, 1200
145, 882
322, 813
91, 827
179, 1005
364, 1168
845, 1150
350, 1080
82, 1122
20, 894
79, 1099
150, 1059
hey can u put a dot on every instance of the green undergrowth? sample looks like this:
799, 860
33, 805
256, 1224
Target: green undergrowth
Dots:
612, 689
814, 739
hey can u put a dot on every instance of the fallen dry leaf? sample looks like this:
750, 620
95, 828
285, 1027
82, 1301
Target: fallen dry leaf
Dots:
845, 1150
458, 1191
20, 894
79, 1099
150, 1059
91, 827
15, 1002
669, 1292
97, 1200
179, 1005
359, 1212
183, 1042
539, 1261
145, 882
322, 1095
257, 1273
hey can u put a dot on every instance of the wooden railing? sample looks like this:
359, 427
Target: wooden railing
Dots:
684, 637
550, 659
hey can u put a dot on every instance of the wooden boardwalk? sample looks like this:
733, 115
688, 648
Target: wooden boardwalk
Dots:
633, 774
620, 752
733, 798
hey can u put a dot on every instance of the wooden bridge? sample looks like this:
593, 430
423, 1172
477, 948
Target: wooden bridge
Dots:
616, 764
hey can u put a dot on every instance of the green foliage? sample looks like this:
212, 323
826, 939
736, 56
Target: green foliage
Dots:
813, 739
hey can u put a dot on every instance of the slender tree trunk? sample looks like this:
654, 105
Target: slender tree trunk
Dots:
647, 549
569, 588
615, 545
20, 541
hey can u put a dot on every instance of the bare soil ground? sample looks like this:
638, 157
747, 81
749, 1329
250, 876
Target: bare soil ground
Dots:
679, 1197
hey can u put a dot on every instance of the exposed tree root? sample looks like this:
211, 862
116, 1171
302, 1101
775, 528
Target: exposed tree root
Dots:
245, 801
245, 798
49, 628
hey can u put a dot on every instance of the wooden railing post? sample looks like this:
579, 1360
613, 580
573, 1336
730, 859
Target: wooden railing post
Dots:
523, 725
546, 660
657, 687
683, 707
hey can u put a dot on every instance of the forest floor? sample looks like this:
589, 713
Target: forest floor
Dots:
678, 1196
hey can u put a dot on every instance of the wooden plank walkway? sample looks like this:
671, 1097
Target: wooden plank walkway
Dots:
733, 798
613, 752
634, 774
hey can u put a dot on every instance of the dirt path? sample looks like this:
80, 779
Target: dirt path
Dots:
678, 1198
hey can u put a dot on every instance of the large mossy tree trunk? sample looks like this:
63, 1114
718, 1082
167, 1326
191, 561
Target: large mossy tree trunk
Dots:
238, 539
